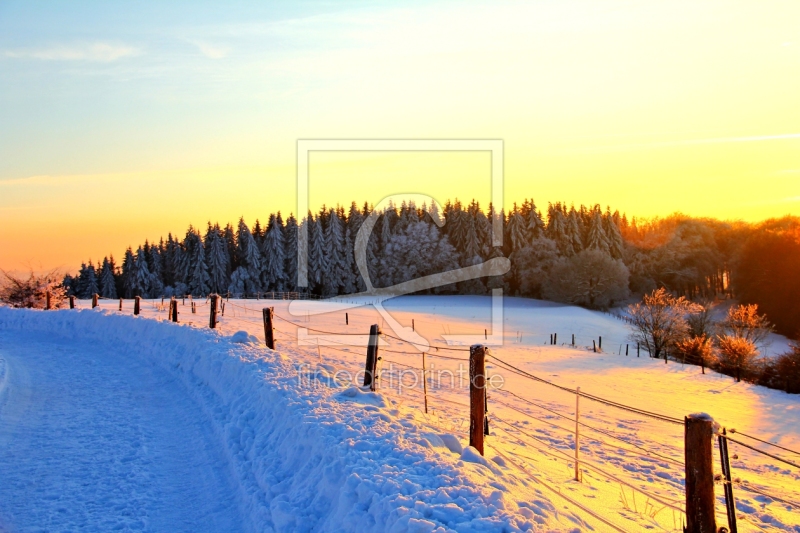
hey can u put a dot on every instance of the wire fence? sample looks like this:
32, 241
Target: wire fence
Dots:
536, 426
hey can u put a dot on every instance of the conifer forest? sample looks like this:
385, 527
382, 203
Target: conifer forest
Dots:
585, 255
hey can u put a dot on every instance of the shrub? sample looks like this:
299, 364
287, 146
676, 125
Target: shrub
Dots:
787, 370
737, 355
32, 292
744, 321
696, 351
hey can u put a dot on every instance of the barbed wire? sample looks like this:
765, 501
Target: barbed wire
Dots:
777, 458
592, 397
733, 431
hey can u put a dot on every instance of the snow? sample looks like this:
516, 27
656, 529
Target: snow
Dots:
295, 445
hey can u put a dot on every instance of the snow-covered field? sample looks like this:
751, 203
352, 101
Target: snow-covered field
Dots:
110, 421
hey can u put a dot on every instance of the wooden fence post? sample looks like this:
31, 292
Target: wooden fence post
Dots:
626, 350
573, 339
477, 396
424, 382
413, 326
371, 366
551, 339
594, 346
120, 304
346, 319
485, 334
94, 300
173, 310
194, 309
223, 308
72, 301
269, 331
47, 303
699, 431
577, 433
600, 343
555, 339
212, 319
637, 349
136, 305
730, 502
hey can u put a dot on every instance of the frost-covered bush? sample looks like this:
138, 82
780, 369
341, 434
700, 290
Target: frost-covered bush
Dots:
783, 372
695, 351
737, 356
32, 292
745, 322
660, 321
592, 279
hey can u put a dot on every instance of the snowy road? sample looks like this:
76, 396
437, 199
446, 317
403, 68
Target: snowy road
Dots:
114, 422
92, 440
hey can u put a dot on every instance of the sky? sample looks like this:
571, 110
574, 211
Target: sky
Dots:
123, 122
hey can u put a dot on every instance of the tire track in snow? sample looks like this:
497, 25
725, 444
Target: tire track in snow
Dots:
92, 438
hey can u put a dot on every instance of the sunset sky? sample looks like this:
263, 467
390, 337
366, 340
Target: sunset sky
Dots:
122, 123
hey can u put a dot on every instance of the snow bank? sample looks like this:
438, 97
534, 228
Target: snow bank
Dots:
307, 454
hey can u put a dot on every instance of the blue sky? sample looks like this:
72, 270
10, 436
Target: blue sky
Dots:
648, 106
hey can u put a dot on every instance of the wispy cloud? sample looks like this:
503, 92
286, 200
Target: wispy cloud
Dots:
98, 52
211, 51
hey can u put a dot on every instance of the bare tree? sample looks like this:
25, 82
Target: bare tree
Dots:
32, 292
660, 321
744, 322
701, 323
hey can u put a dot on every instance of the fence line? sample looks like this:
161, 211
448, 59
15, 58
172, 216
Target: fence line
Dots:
587, 466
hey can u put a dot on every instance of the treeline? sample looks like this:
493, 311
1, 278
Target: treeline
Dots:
582, 255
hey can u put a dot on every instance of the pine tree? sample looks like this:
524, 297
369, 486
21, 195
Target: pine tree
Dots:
249, 257
516, 230
351, 279
456, 226
557, 230
142, 282
472, 245
87, 281
168, 262
108, 288
273, 251
291, 236
317, 257
217, 259
534, 224
129, 274
180, 265
596, 236
574, 231
616, 244
354, 221
199, 280
335, 271
156, 271
229, 237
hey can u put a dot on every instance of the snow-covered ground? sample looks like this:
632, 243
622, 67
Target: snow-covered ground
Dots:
114, 421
